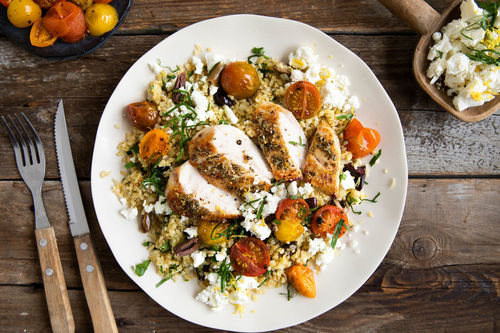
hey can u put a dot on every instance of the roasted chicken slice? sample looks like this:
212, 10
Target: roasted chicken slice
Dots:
189, 194
282, 140
323, 160
228, 158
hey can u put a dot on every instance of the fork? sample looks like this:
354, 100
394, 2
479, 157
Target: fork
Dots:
30, 160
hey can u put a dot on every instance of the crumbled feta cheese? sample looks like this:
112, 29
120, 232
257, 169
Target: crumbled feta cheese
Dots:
191, 232
302, 58
470, 10
296, 75
221, 255
346, 180
242, 293
332, 96
212, 59
231, 117
213, 297
198, 64
155, 67
129, 213
148, 208
316, 245
198, 258
261, 230
161, 206
305, 191
213, 90
325, 257
292, 188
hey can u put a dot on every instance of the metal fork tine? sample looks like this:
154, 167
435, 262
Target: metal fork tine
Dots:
15, 144
29, 141
21, 142
38, 143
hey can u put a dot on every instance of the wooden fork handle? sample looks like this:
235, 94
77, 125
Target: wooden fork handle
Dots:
61, 317
94, 286
416, 13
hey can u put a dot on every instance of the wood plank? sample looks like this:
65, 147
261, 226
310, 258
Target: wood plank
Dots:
435, 140
153, 16
457, 228
369, 309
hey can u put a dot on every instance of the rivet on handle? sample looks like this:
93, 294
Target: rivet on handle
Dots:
43, 242
90, 268
84, 246
49, 271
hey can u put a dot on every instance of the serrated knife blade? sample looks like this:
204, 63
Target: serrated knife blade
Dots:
77, 219
90, 269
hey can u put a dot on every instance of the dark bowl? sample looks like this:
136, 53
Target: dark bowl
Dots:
61, 50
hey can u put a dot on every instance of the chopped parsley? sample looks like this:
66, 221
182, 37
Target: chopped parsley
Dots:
133, 165
146, 243
141, 268
166, 246
155, 178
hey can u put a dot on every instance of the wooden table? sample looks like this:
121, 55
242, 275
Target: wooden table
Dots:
442, 271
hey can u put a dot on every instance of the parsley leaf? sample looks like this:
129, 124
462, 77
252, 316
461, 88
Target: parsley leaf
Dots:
141, 268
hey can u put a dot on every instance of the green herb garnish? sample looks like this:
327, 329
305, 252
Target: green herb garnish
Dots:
347, 117
337, 231
146, 243
134, 148
374, 200
161, 282
261, 207
133, 165
485, 56
375, 158
278, 222
155, 178
297, 143
267, 277
350, 201
256, 53
141, 268
166, 246
225, 275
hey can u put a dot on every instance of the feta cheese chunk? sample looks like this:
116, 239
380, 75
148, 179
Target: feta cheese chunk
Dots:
347, 181
198, 258
191, 232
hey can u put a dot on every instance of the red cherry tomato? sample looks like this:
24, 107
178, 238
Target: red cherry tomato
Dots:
65, 20
303, 99
249, 256
325, 220
296, 209
361, 141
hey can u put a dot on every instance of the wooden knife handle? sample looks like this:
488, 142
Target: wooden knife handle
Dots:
61, 317
94, 286
416, 13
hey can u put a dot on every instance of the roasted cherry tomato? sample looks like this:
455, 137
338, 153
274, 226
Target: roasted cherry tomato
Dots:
65, 20
209, 232
39, 36
142, 115
361, 141
240, 79
325, 220
296, 209
100, 18
23, 13
154, 145
303, 99
249, 256
290, 214
302, 279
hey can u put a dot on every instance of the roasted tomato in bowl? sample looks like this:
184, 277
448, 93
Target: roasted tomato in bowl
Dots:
240, 79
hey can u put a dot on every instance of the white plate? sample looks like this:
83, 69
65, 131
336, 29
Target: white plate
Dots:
234, 36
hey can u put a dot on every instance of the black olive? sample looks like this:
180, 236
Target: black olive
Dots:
221, 98
238, 142
312, 202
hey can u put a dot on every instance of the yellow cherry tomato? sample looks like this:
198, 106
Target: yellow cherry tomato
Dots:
100, 18
23, 13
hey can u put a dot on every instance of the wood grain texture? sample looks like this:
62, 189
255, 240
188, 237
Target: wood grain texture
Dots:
332, 16
56, 295
434, 139
94, 286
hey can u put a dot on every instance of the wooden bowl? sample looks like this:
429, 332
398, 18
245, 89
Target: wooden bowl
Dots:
425, 20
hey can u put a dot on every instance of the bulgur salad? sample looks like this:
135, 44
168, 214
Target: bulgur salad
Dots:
244, 172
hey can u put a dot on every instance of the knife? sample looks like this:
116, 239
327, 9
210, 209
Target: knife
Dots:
90, 268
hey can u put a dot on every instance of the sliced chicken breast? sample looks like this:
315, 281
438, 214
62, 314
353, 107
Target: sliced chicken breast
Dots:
323, 160
228, 158
282, 140
189, 194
